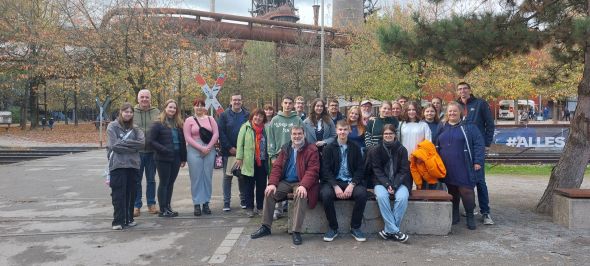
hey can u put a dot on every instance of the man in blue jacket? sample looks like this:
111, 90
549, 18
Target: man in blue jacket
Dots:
477, 111
229, 125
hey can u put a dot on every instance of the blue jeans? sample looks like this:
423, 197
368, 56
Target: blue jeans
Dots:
482, 193
227, 184
149, 165
392, 217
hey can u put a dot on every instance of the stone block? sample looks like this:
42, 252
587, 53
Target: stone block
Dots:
573, 213
421, 218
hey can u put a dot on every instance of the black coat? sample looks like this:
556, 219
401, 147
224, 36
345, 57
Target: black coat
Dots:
378, 159
331, 159
160, 139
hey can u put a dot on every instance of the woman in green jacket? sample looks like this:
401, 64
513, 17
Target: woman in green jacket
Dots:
251, 158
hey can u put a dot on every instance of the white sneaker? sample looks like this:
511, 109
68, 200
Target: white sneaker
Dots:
132, 224
117, 227
487, 219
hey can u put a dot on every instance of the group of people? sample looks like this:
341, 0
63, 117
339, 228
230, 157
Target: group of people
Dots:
321, 155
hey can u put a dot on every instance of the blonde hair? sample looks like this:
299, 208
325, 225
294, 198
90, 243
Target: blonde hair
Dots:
455, 104
176, 117
359, 122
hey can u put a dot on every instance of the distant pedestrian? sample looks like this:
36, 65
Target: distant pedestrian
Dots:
566, 113
43, 123
123, 143
51, 122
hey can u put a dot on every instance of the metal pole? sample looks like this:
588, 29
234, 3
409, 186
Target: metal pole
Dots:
322, 54
212, 6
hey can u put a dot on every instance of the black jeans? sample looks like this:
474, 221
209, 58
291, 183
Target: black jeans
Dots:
257, 181
123, 194
359, 195
167, 171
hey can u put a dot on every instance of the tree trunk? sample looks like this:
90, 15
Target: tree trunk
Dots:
75, 115
65, 109
24, 109
34, 101
569, 171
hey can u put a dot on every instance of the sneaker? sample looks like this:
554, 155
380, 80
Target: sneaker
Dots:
330, 235
385, 235
277, 215
487, 219
117, 227
250, 213
464, 214
358, 235
226, 207
243, 204
400, 237
132, 224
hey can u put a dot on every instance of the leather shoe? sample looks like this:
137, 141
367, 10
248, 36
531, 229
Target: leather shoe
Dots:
152, 209
297, 238
197, 211
261, 232
206, 209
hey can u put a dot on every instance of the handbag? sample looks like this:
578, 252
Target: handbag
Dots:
205, 134
218, 161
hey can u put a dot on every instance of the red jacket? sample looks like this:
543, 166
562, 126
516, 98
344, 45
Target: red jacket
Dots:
307, 167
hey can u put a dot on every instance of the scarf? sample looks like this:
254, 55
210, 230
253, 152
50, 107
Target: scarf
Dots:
258, 136
388, 146
170, 122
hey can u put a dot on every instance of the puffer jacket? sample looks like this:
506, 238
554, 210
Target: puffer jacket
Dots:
474, 148
379, 161
426, 164
160, 139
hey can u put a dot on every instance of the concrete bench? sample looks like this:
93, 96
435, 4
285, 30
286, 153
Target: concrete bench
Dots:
571, 208
429, 213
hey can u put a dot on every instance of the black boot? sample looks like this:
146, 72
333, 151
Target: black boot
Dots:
471, 221
206, 209
197, 210
175, 213
456, 214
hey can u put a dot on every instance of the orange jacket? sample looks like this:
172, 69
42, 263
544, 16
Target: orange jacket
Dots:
426, 164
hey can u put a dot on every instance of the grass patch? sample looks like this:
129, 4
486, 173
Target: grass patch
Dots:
507, 169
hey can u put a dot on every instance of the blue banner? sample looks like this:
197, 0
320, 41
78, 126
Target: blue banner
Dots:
546, 138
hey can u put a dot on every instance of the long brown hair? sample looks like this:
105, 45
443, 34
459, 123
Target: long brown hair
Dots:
405, 117
125, 106
359, 122
315, 117
176, 117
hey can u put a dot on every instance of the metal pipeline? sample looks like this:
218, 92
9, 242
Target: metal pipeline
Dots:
224, 25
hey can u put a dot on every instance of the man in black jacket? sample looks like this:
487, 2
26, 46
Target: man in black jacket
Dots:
229, 125
342, 178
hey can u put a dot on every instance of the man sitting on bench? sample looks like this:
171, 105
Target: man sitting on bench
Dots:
295, 170
342, 178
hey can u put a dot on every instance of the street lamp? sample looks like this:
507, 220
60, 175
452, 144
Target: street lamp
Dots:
322, 33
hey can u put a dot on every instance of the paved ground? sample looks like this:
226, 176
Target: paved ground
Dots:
57, 211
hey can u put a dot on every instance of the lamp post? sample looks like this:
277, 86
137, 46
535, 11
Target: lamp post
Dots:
322, 40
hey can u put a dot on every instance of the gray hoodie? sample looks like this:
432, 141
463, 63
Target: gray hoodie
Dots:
125, 152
